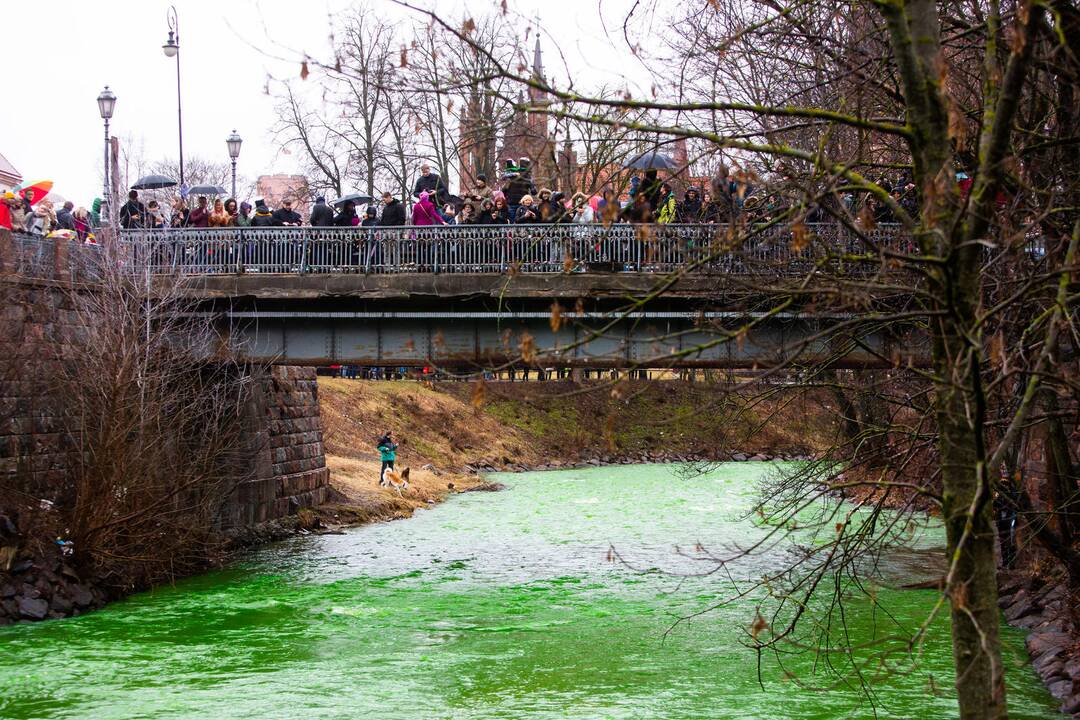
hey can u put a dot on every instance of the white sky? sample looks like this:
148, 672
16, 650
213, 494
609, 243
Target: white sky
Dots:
61, 54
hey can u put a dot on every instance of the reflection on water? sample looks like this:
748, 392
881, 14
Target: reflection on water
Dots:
493, 605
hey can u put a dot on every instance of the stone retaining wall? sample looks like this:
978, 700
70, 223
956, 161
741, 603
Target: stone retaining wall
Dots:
40, 325
286, 432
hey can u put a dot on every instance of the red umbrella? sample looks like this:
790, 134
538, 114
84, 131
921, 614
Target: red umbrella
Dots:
41, 188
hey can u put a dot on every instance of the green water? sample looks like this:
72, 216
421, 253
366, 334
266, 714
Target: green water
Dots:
492, 605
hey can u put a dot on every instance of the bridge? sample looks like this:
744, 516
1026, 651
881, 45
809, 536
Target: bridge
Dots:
475, 297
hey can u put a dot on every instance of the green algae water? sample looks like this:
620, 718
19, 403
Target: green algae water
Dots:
492, 605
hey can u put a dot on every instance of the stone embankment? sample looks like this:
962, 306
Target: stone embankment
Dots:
1046, 610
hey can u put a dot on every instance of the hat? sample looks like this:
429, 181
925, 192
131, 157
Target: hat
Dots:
245, 206
260, 203
320, 199
482, 176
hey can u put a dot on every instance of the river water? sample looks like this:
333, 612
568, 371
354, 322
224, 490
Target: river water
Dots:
492, 605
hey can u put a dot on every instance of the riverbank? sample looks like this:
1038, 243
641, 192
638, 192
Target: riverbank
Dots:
451, 433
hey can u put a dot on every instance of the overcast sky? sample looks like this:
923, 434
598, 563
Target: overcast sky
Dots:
68, 50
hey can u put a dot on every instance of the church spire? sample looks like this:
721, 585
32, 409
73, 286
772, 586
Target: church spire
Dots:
538, 64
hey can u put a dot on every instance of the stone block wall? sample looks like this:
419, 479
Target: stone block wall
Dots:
285, 430
40, 326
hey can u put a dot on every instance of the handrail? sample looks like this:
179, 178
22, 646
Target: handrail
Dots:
488, 249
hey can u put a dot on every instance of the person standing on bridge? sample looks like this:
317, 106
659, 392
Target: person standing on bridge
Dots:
321, 214
387, 454
393, 212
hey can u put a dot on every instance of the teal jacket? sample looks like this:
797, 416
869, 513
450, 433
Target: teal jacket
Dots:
386, 451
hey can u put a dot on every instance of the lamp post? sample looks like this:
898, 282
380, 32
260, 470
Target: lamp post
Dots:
172, 49
106, 102
233, 143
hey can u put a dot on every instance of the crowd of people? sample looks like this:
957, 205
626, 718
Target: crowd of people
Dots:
514, 199
26, 213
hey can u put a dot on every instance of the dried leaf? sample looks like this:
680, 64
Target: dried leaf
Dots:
958, 129
997, 349
527, 346
404, 57
337, 64
866, 218
468, 27
304, 70
758, 626
479, 395
800, 236
556, 317
610, 552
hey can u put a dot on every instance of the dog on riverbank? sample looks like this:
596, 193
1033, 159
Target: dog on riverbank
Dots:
397, 480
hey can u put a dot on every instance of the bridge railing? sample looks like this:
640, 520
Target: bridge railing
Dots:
489, 248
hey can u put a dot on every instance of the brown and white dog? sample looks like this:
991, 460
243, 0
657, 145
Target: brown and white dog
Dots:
397, 480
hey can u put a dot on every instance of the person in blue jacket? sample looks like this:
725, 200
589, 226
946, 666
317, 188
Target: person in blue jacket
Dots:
387, 453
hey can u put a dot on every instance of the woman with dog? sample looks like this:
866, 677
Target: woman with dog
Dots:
387, 453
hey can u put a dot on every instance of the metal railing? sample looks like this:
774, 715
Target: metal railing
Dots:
490, 248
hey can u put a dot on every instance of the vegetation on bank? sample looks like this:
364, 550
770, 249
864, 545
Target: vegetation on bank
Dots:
510, 425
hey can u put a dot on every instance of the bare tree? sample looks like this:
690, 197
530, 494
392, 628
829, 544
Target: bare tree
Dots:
815, 100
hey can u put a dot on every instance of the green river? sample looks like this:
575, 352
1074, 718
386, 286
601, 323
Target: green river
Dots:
491, 605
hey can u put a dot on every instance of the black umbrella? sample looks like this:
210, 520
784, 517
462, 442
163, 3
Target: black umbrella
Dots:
654, 160
206, 190
153, 182
355, 199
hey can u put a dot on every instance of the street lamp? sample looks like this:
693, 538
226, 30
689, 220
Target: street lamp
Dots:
233, 143
106, 102
171, 48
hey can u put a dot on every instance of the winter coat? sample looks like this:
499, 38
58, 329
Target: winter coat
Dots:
518, 188
65, 220
431, 184
689, 210
583, 215
321, 215
393, 214
550, 211
479, 194
527, 215
345, 218
666, 212
494, 217
262, 218
128, 213
282, 217
387, 450
199, 217
424, 213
